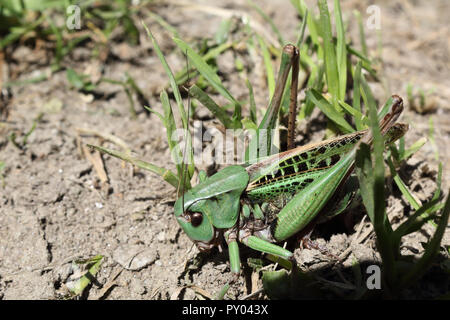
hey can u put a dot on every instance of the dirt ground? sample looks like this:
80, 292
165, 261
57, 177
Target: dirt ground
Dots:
53, 208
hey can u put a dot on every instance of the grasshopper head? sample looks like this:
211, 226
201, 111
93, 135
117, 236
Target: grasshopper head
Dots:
211, 205
196, 220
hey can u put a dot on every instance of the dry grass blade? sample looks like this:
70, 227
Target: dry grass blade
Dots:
105, 136
107, 287
97, 161
201, 291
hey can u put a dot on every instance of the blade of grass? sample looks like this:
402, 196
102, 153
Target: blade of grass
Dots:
357, 95
315, 81
176, 92
372, 191
169, 124
268, 66
327, 108
209, 103
418, 219
432, 249
164, 23
166, 174
413, 201
303, 10
362, 37
351, 111
414, 148
212, 77
253, 115
302, 29
437, 193
268, 20
169, 73
330, 53
181, 76
341, 50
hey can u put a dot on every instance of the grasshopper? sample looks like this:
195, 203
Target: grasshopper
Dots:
265, 203
270, 201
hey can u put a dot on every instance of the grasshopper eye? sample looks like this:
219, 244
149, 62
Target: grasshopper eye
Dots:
196, 218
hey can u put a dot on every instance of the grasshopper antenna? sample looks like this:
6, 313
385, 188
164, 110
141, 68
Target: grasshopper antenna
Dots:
182, 182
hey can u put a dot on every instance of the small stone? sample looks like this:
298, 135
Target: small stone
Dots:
161, 236
138, 216
87, 98
135, 257
99, 205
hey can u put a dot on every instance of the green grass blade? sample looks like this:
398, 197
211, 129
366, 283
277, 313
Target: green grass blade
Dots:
357, 95
181, 76
414, 148
418, 219
209, 103
363, 164
327, 108
415, 203
268, 65
74, 79
172, 81
302, 29
372, 191
209, 74
329, 52
169, 124
223, 32
204, 69
268, 20
308, 15
437, 193
386, 107
378, 148
166, 174
341, 50
164, 24
369, 100
178, 99
253, 115
315, 81
432, 249
362, 37
351, 111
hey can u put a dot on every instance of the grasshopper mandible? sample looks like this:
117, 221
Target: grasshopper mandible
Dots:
272, 200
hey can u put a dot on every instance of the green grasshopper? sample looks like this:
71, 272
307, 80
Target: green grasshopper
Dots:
274, 199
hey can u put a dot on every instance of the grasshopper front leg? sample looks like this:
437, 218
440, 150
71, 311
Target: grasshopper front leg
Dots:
231, 237
235, 261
